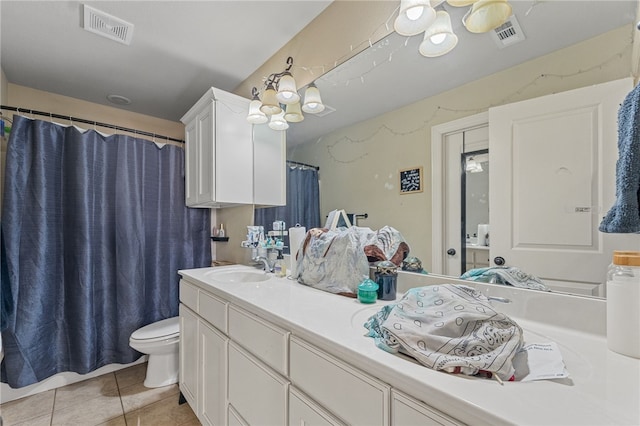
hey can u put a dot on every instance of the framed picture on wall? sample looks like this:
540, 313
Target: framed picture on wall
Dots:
411, 180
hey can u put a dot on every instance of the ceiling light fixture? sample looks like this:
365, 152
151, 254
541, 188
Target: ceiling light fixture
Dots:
420, 16
280, 102
414, 17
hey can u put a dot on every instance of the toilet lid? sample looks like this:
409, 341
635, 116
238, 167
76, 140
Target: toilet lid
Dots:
165, 327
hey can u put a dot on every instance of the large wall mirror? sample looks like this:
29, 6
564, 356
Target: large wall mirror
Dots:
388, 98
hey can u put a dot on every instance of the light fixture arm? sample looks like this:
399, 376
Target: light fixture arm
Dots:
275, 77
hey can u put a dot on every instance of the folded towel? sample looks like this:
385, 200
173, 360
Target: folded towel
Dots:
451, 328
624, 216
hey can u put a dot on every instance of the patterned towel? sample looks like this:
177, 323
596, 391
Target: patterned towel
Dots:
506, 275
448, 327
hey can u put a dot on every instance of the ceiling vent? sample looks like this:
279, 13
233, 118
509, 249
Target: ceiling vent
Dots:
327, 110
508, 33
108, 26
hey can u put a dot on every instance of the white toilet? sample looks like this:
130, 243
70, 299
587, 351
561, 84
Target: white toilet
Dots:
160, 341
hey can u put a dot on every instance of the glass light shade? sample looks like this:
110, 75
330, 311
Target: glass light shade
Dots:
439, 37
270, 104
414, 17
293, 114
287, 93
256, 116
312, 101
278, 122
486, 15
461, 3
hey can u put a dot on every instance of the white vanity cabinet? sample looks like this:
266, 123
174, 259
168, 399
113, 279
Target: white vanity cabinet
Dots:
228, 161
237, 367
203, 354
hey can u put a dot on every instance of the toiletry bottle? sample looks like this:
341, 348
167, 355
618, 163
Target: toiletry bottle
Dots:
623, 304
280, 267
221, 231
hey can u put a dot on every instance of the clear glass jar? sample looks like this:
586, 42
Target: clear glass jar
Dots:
623, 304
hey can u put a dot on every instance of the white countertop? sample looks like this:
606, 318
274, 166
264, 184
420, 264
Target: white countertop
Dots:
603, 386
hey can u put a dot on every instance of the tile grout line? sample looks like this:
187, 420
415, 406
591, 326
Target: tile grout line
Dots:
53, 406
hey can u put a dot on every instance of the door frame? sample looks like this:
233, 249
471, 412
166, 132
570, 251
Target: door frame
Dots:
438, 171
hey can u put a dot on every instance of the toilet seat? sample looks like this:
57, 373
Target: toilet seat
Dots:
165, 329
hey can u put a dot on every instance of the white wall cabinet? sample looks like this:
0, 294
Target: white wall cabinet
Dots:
223, 162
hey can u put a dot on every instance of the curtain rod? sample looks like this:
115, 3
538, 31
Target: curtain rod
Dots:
95, 123
303, 164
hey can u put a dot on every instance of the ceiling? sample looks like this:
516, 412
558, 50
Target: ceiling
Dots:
181, 48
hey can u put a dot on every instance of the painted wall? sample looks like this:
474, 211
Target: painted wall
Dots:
26, 97
362, 176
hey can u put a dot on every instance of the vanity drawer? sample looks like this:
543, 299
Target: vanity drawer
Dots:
189, 295
261, 338
213, 310
333, 384
409, 411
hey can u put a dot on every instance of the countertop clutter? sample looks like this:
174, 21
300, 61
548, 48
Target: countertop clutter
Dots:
603, 387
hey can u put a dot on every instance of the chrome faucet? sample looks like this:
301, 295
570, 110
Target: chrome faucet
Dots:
265, 262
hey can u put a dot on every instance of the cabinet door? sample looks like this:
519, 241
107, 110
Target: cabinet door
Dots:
189, 356
269, 168
233, 151
304, 412
257, 393
191, 163
408, 411
351, 395
213, 375
205, 156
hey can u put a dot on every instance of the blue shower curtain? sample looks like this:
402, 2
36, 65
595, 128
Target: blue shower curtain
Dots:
303, 201
94, 229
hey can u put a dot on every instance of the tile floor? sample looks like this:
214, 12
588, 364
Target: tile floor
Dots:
113, 399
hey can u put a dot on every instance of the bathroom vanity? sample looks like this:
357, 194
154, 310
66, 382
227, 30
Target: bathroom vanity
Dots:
256, 349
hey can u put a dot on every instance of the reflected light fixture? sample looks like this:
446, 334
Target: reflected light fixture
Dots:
486, 15
414, 17
473, 166
420, 16
439, 37
312, 100
280, 102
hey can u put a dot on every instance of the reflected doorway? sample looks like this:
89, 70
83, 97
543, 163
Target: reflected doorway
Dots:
474, 218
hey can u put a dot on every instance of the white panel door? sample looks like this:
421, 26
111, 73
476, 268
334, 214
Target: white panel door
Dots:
188, 376
552, 180
212, 375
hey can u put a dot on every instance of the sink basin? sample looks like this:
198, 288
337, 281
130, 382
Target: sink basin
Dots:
238, 276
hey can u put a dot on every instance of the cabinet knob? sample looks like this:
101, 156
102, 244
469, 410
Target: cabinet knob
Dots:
499, 260
451, 252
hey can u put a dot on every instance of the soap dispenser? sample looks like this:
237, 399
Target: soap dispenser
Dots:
280, 268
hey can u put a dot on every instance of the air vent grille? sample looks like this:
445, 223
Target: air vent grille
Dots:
508, 33
106, 25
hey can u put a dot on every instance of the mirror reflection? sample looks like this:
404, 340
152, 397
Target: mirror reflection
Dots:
360, 163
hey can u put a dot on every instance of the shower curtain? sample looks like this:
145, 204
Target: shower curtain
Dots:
94, 229
303, 201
